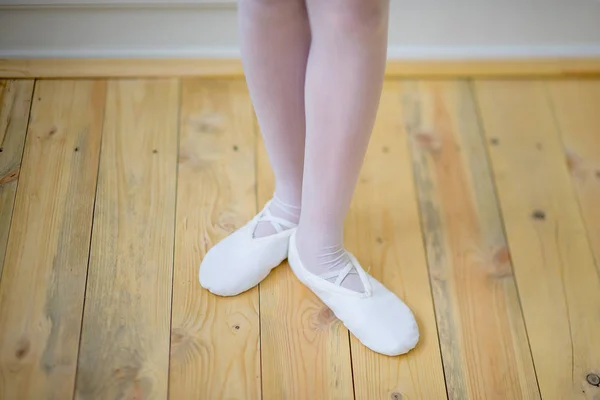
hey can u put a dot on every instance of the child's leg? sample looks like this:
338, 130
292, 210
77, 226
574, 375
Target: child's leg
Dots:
275, 39
343, 85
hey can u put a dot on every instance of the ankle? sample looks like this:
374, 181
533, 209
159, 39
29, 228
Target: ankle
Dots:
322, 256
320, 251
312, 237
287, 195
283, 217
283, 209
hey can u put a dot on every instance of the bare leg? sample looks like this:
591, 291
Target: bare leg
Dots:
275, 40
344, 78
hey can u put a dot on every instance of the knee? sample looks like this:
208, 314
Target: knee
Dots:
358, 15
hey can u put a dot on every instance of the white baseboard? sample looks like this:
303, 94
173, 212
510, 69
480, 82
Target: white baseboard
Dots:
394, 53
425, 29
21, 4
497, 52
207, 52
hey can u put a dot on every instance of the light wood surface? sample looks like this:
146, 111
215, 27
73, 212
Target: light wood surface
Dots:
477, 204
531, 68
15, 101
384, 233
120, 68
126, 326
485, 348
559, 284
43, 282
576, 106
305, 349
232, 68
215, 350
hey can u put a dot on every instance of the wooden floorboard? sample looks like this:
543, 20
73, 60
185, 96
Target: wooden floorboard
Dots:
384, 233
126, 325
477, 204
15, 102
232, 68
43, 284
558, 282
215, 350
305, 349
485, 349
576, 106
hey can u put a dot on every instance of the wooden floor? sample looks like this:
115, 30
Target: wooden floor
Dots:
478, 204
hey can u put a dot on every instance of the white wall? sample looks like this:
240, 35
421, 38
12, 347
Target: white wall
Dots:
203, 28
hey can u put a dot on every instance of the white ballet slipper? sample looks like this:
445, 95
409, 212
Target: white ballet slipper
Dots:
240, 261
377, 317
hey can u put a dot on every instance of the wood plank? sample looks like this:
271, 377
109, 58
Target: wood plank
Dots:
215, 340
120, 68
126, 325
232, 68
481, 327
559, 284
15, 101
576, 106
305, 349
384, 233
498, 68
42, 288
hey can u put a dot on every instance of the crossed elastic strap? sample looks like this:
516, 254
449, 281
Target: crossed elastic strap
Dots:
276, 222
341, 274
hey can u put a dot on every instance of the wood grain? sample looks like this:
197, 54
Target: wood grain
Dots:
215, 340
576, 106
559, 284
497, 68
305, 349
232, 68
125, 337
384, 233
43, 284
120, 68
15, 101
484, 342
543, 181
